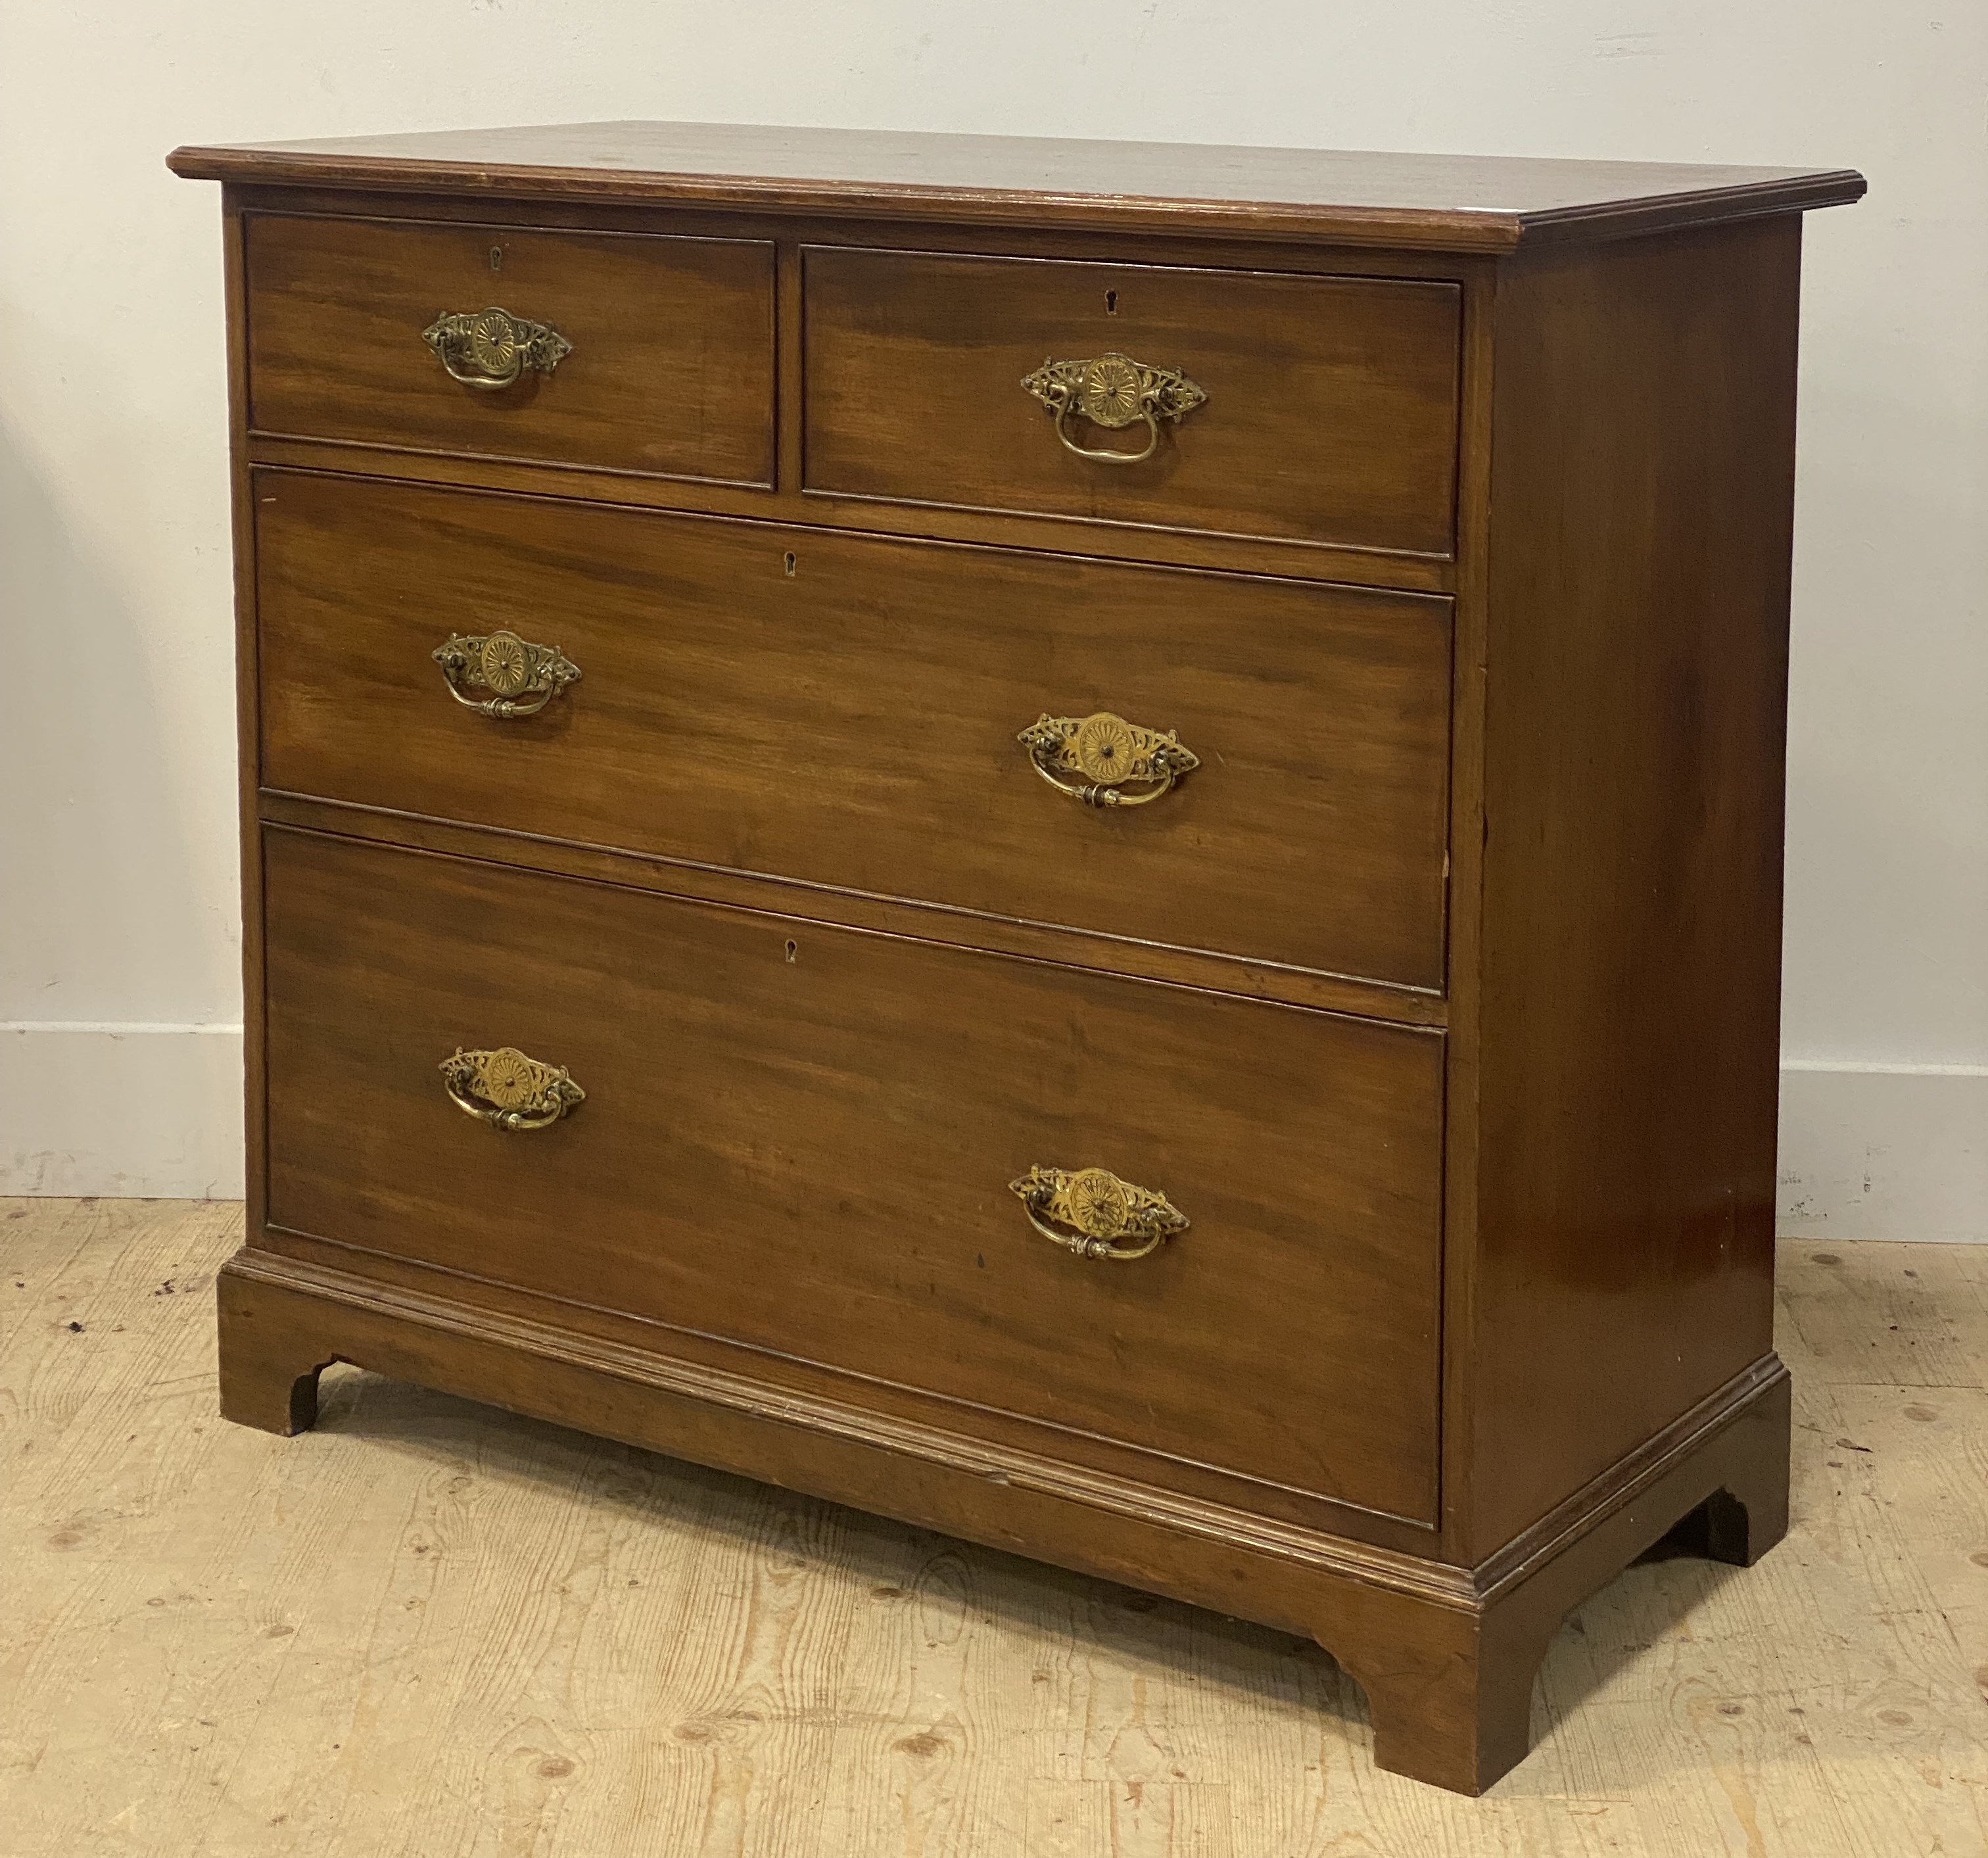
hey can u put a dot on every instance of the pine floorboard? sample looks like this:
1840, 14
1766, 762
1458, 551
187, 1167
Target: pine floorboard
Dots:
429, 1629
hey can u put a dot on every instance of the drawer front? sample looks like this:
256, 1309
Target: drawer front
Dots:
802, 1139
669, 372
844, 710
1330, 414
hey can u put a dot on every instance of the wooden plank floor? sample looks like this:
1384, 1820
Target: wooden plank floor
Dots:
428, 1629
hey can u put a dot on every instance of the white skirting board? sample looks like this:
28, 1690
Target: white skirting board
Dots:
1867, 1152
1883, 1152
146, 1111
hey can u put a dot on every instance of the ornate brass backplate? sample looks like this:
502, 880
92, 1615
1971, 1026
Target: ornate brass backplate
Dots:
508, 1090
522, 678
1092, 1213
491, 348
1105, 761
1113, 391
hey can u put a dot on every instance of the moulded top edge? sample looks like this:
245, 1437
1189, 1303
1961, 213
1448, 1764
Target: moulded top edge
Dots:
1486, 204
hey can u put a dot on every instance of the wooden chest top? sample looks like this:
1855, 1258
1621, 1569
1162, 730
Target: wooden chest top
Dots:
1452, 203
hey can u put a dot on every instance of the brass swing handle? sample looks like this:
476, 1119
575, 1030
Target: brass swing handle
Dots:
491, 348
509, 1091
1093, 1213
520, 678
1105, 761
1113, 391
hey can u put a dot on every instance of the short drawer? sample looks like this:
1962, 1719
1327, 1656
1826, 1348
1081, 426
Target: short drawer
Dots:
802, 1140
659, 360
846, 710
1330, 413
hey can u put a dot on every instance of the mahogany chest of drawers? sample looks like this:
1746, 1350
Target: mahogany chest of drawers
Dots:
1076, 840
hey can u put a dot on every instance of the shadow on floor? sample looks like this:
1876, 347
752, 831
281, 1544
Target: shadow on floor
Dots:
1252, 1664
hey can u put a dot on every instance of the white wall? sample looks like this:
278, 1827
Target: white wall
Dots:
117, 857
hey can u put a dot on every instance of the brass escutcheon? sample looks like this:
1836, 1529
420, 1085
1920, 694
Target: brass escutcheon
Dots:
1113, 391
491, 348
1096, 1211
522, 678
1105, 761
508, 1090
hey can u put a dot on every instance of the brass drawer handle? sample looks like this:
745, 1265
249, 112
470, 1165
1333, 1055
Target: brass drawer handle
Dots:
508, 1090
491, 348
1098, 1210
1105, 761
521, 677
1113, 391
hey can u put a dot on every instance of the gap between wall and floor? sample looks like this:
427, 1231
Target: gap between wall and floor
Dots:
1867, 1151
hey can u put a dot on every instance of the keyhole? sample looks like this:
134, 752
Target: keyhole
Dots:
791, 949
496, 258
1111, 303
788, 562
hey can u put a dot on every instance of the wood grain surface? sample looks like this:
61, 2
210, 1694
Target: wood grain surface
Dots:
430, 1628
1445, 202
671, 371
794, 1123
1629, 973
1330, 415
844, 711
799, 1138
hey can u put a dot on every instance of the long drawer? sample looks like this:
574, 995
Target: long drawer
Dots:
656, 356
804, 1140
1301, 408
845, 711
